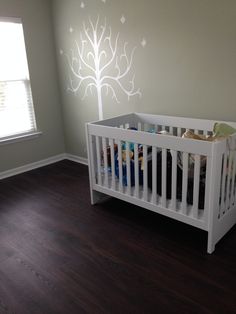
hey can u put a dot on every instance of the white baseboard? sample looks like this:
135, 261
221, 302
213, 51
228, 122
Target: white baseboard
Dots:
42, 163
80, 160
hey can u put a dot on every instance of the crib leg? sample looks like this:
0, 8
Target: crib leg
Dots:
210, 244
97, 197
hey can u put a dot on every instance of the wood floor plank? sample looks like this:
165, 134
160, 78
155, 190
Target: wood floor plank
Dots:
59, 254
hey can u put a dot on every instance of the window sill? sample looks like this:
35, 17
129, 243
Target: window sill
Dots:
19, 137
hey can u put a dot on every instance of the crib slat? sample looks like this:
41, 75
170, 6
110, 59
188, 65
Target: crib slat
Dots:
205, 132
173, 179
136, 170
98, 151
234, 192
171, 130
229, 180
207, 186
196, 131
184, 183
104, 147
233, 180
113, 182
196, 185
163, 177
120, 167
93, 164
222, 205
145, 127
139, 126
179, 132
128, 168
154, 175
145, 183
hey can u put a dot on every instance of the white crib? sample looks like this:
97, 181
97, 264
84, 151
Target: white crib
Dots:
218, 213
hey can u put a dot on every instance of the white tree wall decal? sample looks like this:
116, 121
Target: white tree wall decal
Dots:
90, 61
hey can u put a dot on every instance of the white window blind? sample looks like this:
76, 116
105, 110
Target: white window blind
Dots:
16, 105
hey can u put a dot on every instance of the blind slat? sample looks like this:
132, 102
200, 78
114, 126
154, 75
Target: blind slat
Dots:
16, 104
16, 108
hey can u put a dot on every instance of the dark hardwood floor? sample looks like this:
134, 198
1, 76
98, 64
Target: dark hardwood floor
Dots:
59, 254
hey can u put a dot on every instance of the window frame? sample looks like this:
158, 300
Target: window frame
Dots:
21, 136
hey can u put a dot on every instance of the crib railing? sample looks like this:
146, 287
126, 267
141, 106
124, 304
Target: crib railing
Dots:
158, 128
166, 182
193, 181
227, 196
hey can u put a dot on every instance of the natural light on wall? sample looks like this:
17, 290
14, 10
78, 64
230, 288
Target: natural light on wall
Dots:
16, 105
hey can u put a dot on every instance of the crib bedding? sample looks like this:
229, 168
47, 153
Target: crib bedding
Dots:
179, 167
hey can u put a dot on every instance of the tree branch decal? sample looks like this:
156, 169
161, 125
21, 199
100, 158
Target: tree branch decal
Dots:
95, 62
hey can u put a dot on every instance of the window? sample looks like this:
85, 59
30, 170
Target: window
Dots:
16, 106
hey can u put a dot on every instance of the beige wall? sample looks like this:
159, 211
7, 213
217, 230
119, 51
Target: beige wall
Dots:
187, 68
37, 22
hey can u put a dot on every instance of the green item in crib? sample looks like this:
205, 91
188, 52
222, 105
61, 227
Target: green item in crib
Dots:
223, 129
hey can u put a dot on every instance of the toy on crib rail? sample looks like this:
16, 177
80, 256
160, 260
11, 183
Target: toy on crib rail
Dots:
220, 132
223, 130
